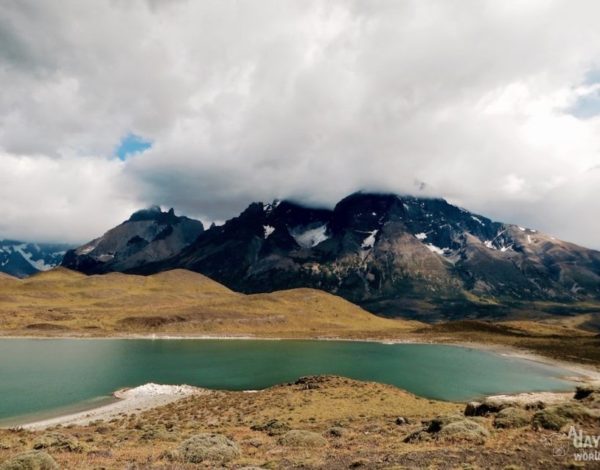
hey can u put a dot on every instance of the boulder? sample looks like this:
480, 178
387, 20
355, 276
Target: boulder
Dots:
401, 421
298, 438
588, 394
208, 446
32, 460
584, 391
511, 417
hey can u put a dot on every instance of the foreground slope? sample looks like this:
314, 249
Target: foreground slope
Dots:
179, 302
325, 423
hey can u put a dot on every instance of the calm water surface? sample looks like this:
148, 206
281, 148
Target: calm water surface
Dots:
37, 375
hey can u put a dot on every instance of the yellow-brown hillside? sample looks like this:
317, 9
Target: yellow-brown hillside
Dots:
64, 302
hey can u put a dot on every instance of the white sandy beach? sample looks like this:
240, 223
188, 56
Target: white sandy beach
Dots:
131, 401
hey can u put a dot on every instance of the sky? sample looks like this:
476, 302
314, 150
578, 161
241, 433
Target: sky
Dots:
110, 106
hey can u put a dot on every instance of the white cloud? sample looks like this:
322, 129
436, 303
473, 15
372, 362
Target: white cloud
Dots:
63, 199
303, 99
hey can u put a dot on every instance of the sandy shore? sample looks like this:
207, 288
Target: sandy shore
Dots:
130, 401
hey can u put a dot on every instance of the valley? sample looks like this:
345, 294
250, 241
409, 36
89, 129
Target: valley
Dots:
366, 284
180, 303
321, 422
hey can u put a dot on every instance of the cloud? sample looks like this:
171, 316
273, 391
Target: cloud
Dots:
64, 199
251, 101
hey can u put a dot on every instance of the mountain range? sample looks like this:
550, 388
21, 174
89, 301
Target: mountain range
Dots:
22, 259
394, 255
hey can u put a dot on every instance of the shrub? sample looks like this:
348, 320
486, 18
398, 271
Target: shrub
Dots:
297, 438
207, 446
511, 417
32, 460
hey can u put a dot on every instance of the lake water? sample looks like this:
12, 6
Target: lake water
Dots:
38, 375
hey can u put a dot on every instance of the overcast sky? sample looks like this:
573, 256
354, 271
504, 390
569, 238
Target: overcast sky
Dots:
494, 105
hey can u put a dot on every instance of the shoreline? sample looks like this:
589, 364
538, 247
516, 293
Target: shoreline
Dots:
128, 401
145, 397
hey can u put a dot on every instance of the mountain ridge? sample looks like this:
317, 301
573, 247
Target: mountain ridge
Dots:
22, 259
394, 255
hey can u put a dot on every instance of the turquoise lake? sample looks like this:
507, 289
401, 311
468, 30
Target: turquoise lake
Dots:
42, 375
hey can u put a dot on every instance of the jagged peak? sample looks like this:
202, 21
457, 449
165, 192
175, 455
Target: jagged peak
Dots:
147, 213
154, 213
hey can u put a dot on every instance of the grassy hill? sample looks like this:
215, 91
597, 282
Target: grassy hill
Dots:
179, 302
61, 302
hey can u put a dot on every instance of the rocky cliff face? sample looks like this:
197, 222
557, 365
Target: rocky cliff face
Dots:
394, 255
149, 236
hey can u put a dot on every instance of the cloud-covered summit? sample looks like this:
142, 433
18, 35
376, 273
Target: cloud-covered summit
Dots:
489, 104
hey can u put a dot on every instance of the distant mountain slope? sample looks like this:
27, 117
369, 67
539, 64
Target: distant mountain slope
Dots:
148, 236
21, 259
394, 255
61, 301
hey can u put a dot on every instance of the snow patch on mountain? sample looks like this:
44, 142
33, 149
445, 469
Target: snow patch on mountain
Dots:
369, 241
268, 230
22, 259
87, 249
270, 207
308, 238
421, 236
436, 249
38, 264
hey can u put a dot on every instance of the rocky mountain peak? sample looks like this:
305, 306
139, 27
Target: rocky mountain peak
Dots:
154, 213
149, 235
386, 252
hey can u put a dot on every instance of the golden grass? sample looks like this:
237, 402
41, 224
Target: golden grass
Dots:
180, 302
